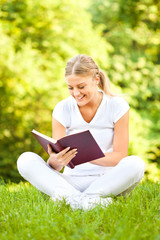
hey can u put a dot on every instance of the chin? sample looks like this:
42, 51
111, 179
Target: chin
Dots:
81, 104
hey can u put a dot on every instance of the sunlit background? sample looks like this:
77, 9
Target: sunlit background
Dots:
36, 40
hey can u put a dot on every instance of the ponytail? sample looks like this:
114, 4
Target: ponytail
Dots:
104, 83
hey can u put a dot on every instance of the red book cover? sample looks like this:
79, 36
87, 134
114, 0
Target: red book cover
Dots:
84, 142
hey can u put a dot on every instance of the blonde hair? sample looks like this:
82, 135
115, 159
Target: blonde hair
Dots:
82, 65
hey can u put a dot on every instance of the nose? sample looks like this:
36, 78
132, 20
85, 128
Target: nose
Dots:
76, 92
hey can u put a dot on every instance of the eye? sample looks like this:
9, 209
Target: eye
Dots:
70, 88
81, 87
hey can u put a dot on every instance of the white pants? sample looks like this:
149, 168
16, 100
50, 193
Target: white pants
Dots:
121, 179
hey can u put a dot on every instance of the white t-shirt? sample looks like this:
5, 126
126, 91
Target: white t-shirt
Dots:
101, 127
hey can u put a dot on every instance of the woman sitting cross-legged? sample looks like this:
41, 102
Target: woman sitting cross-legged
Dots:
90, 106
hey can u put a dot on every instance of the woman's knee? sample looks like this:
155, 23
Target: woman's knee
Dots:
136, 164
25, 161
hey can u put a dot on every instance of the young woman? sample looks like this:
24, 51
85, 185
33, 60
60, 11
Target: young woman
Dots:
90, 106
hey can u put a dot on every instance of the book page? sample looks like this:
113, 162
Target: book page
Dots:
44, 136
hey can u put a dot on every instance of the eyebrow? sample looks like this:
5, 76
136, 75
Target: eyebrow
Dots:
77, 85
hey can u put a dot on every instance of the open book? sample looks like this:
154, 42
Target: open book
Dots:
84, 142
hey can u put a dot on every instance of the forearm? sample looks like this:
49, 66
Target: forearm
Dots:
110, 160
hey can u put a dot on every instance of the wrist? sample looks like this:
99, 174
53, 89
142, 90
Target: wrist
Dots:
53, 165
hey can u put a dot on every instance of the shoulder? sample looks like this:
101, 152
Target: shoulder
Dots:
118, 106
65, 103
61, 111
114, 101
118, 100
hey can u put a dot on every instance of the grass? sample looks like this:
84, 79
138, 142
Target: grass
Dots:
25, 213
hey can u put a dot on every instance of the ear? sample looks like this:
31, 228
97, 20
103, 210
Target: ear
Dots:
97, 79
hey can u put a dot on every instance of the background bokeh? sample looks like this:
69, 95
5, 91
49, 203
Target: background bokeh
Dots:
36, 40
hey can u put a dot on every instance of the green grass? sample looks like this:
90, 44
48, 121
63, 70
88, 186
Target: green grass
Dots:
25, 213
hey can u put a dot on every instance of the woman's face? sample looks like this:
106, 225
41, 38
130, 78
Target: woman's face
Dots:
83, 88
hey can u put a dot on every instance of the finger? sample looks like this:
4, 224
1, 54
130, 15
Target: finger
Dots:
66, 155
50, 150
63, 152
70, 153
66, 159
69, 159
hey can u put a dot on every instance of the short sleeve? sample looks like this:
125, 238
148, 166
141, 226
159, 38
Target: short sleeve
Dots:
119, 107
60, 113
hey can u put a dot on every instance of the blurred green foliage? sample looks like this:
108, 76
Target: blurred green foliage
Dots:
132, 28
38, 37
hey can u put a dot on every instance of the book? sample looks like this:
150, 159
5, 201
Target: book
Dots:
84, 142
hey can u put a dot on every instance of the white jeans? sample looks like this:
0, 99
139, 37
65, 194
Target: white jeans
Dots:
121, 179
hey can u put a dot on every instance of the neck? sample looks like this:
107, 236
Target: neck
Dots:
97, 99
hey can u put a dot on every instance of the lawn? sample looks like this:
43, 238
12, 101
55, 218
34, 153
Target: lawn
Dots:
26, 213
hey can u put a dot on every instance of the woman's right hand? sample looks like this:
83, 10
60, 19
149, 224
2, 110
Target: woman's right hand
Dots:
61, 159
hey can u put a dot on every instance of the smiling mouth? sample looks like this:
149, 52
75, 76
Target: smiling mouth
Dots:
80, 98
